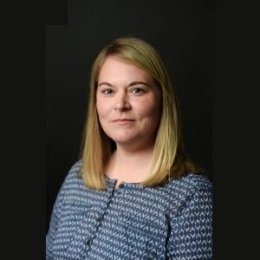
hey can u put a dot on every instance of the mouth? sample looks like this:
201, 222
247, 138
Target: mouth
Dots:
123, 121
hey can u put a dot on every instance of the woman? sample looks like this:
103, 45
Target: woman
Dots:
134, 194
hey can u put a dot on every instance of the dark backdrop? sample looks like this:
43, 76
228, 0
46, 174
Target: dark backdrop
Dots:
180, 30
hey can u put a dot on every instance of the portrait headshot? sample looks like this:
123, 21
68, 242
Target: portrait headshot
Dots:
129, 137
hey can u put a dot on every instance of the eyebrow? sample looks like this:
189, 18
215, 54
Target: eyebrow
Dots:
129, 85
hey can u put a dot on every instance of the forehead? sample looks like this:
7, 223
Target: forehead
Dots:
114, 67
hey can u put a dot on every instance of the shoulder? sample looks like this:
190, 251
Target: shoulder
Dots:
190, 183
74, 170
191, 187
73, 181
73, 177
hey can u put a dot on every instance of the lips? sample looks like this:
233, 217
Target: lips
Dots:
123, 121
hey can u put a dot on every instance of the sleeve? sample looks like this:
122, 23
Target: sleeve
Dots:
54, 220
191, 228
58, 209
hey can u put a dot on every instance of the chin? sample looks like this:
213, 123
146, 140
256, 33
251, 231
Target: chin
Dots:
124, 139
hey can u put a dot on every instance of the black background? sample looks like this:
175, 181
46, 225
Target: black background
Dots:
180, 30
24, 142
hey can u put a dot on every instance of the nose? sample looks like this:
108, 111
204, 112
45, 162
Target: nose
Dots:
122, 102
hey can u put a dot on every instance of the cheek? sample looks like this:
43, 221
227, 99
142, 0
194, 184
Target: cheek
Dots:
150, 108
102, 107
149, 116
99, 108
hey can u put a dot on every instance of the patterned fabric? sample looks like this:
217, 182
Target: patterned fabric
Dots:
173, 221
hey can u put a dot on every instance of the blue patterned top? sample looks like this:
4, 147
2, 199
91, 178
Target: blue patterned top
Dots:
173, 221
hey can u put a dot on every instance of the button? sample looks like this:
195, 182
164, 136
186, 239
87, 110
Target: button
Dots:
99, 219
89, 242
121, 186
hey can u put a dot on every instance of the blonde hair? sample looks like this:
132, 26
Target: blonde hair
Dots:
169, 159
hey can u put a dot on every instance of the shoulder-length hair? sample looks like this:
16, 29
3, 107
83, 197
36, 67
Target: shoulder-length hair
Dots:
169, 159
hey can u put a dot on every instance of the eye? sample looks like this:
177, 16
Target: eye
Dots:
107, 91
137, 91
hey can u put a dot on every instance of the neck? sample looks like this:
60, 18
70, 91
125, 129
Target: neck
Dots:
130, 165
133, 154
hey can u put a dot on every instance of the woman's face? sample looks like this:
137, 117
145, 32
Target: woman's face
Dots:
128, 103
